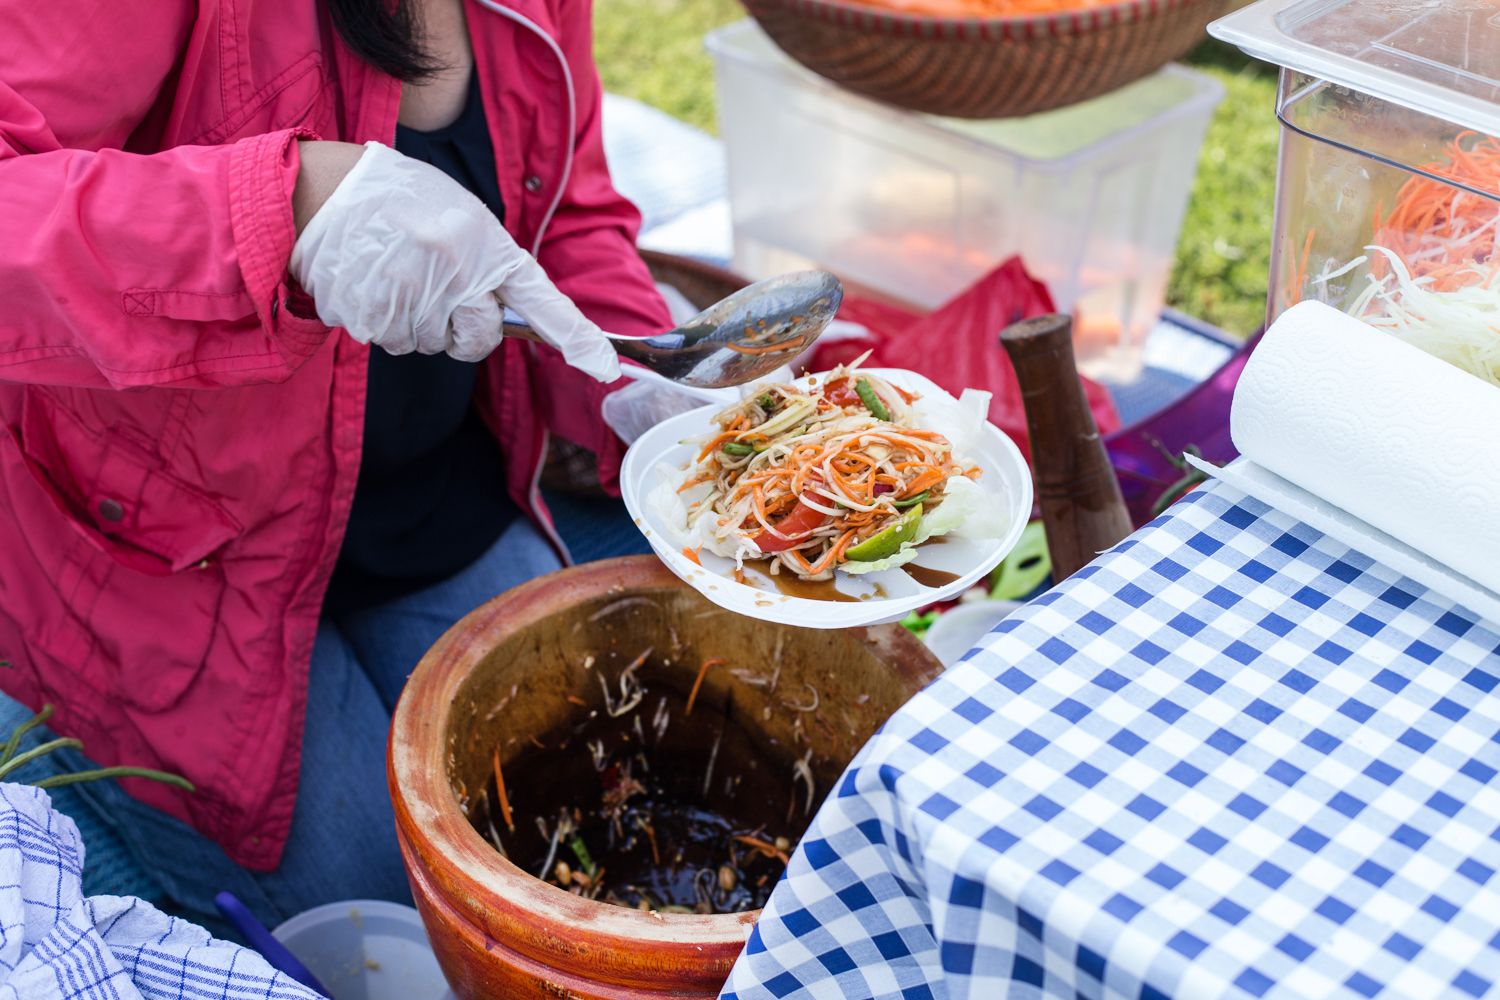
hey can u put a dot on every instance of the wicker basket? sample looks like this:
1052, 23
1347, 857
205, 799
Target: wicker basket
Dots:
983, 67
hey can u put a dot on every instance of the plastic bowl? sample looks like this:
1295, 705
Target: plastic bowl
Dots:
366, 949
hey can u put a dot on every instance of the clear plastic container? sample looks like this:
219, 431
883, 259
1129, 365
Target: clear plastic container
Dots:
1388, 189
916, 207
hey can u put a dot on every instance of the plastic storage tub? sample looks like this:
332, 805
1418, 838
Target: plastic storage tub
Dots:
918, 207
1388, 189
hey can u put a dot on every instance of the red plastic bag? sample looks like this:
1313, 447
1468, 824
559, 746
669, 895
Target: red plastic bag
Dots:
958, 346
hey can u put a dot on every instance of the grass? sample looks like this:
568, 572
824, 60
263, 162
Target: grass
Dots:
652, 50
1223, 255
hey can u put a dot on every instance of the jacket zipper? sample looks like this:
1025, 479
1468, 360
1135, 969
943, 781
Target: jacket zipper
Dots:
540, 514
562, 61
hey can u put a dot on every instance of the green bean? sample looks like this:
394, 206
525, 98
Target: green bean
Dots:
872, 401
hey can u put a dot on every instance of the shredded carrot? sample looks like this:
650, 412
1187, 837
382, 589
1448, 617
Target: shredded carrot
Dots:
1299, 273
925, 481
1441, 231
799, 561
510, 823
715, 444
768, 849
708, 664
692, 555
835, 554
767, 349
651, 836
850, 490
759, 499
573, 699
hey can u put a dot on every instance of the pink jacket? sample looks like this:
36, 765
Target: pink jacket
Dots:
179, 440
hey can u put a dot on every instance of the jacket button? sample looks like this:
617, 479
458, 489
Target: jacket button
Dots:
111, 511
533, 183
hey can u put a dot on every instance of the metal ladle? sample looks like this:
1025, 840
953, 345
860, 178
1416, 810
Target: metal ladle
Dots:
743, 337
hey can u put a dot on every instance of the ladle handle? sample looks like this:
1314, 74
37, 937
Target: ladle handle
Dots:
514, 326
1082, 508
521, 332
720, 397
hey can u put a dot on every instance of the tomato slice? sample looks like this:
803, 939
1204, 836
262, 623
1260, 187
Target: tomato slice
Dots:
798, 524
840, 392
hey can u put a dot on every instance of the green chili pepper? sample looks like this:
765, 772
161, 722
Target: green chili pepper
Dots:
910, 501
738, 448
872, 402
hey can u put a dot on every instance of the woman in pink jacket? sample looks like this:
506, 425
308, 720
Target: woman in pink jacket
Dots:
260, 441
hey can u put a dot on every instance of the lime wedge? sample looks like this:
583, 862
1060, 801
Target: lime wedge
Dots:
889, 541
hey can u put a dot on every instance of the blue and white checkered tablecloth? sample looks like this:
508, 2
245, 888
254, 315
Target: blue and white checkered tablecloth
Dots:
57, 944
1230, 758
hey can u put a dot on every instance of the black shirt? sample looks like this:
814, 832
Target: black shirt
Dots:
431, 496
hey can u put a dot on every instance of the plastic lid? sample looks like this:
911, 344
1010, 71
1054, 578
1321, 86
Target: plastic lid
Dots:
1053, 135
1437, 57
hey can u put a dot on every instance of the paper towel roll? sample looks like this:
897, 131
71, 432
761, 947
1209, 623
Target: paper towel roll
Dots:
1399, 439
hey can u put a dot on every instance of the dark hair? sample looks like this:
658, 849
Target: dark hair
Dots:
385, 34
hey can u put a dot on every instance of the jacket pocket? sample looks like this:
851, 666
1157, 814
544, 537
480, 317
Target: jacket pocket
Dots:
142, 546
43, 581
292, 96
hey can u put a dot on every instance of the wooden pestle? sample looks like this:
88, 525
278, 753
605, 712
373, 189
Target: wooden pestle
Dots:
1082, 508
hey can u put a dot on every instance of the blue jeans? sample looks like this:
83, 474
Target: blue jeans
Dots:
343, 842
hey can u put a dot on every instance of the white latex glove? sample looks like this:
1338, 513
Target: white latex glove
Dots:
635, 408
404, 258
641, 404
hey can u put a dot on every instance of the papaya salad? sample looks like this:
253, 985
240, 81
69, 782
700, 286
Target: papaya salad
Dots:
843, 473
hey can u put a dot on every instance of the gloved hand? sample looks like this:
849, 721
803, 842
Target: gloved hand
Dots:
642, 403
404, 258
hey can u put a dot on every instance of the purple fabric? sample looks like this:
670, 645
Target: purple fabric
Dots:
1142, 453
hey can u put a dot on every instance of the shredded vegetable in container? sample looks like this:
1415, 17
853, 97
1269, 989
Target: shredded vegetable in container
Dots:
1432, 273
847, 472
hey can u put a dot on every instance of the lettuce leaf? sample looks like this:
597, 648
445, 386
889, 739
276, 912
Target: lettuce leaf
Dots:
904, 555
965, 512
961, 420
669, 506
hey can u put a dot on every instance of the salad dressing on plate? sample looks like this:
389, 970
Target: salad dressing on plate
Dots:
790, 584
934, 578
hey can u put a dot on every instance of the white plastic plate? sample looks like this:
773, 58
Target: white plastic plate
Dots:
884, 597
